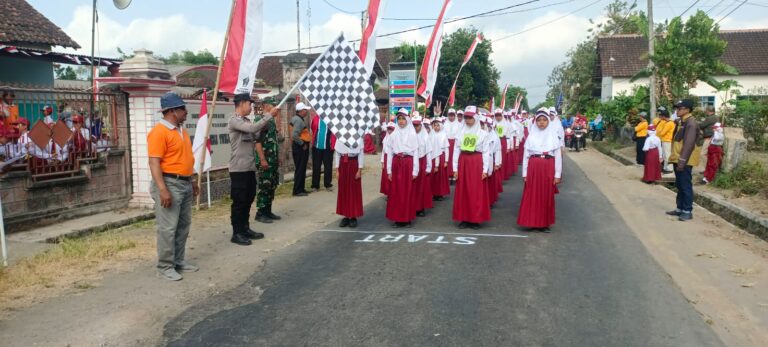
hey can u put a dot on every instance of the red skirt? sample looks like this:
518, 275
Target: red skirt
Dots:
440, 185
349, 201
521, 149
652, 172
399, 204
384, 189
537, 208
418, 186
470, 203
451, 143
514, 159
714, 159
493, 193
369, 146
505, 169
426, 194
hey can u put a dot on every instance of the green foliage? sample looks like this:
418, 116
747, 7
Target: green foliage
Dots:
65, 73
749, 178
187, 57
751, 114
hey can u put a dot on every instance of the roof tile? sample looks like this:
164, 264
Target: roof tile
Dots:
21, 23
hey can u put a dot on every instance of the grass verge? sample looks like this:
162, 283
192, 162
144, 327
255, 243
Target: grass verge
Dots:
749, 178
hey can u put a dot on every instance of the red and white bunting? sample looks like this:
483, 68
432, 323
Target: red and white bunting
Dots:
368, 42
198, 147
243, 47
431, 60
504, 96
467, 57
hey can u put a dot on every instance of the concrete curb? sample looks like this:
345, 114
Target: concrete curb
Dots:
101, 228
735, 215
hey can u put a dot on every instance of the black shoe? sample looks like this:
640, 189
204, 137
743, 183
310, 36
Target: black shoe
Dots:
301, 194
474, 226
344, 223
421, 213
253, 235
271, 215
407, 225
545, 230
397, 225
463, 225
261, 216
353, 223
240, 239
674, 212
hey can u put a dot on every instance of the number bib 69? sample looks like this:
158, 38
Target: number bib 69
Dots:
469, 143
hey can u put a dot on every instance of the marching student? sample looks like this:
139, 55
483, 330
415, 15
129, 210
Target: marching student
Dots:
402, 171
384, 186
451, 127
494, 153
501, 133
441, 147
542, 166
653, 156
516, 131
425, 168
348, 163
714, 154
470, 166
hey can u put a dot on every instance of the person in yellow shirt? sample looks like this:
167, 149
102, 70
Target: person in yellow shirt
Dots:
665, 131
641, 133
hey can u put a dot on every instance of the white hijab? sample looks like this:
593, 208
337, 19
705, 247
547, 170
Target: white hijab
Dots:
542, 140
441, 141
404, 140
424, 142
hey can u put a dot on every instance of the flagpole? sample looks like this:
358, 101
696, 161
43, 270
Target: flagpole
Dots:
208, 185
213, 104
2, 235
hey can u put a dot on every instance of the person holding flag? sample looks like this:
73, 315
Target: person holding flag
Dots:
470, 167
242, 168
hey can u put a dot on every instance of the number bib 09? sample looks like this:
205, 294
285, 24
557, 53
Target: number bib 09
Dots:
500, 131
469, 143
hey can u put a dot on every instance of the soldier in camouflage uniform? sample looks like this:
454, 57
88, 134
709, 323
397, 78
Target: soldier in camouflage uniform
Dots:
267, 151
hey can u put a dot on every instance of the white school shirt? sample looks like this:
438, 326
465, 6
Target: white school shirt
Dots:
555, 153
481, 147
425, 148
651, 142
341, 149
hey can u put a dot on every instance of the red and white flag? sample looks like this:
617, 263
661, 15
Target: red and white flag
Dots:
201, 143
504, 97
493, 104
243, 47
518, 101
368, 42
470, 52
432, 57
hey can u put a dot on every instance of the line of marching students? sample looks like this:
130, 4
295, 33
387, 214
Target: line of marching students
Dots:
476, 153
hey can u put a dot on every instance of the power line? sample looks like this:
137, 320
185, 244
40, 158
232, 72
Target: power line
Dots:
713, 7
734, 10
725, 8
493, 14
545, 23
422, 27
689, 8
339, 9
756, 4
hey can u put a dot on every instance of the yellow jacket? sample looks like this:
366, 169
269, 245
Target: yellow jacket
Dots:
665, 130
641, 130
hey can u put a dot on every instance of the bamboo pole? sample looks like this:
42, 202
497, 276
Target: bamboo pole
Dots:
215, 96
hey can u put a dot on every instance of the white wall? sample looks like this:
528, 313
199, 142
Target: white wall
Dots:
622, 84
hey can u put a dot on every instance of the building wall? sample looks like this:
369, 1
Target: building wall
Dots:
26, 72
748, 82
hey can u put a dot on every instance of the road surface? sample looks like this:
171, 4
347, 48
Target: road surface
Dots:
588, 283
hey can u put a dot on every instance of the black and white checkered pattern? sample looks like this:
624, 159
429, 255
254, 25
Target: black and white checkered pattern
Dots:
337, 87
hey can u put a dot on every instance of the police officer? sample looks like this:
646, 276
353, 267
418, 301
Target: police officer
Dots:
242, 168
267, 151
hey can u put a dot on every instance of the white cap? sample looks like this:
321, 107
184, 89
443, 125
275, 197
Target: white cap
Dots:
416, 118
553, 111
451, 110
461, 112
301, 107
427, 121
403, 111
470, 110
415, 114
391, 125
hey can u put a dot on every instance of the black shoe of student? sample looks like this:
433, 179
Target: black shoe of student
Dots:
546, 230
253, 235
463, 225
301, 194
397, 225
474, 226
344, 223
353, 222
407, 225
240, 239
271, 215
685, 216
261, 216
421, 213
674, 213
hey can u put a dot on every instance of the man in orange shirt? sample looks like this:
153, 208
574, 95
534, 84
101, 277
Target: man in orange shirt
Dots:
171, 162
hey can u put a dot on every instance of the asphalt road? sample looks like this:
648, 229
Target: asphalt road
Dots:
588, 283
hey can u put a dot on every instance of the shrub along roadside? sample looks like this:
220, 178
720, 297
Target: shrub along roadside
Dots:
749, 178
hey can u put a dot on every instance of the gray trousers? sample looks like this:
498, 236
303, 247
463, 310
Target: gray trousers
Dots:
172, 223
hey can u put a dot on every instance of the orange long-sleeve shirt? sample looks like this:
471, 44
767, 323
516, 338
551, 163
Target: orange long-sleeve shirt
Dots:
641, 130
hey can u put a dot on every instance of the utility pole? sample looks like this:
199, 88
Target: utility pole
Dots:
93, 47
651, 38
298, 27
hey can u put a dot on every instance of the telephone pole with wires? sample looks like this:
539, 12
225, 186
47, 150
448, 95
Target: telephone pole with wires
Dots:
652, 78
298, 27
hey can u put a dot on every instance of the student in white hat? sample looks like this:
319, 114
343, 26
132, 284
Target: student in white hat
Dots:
402, 170
470, 166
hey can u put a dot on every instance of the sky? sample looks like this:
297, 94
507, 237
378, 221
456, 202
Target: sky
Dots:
550, 27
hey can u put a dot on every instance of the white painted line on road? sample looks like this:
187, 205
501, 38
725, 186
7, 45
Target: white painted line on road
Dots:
408, 231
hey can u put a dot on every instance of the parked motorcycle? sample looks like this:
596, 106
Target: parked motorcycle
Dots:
579, 140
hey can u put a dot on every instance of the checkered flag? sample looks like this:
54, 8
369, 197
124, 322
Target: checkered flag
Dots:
337, 87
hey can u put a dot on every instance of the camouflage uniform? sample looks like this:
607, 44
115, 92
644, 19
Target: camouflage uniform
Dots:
268, 178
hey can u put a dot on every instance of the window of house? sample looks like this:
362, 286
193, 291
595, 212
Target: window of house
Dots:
705, 101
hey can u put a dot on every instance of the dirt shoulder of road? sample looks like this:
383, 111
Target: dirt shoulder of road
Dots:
118, 300
720, 269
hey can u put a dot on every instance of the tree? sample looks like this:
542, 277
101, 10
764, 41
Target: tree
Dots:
687, 53
187, 57
65, 73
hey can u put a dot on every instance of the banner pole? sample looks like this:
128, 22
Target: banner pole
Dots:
2, 235
208, 186
215, 96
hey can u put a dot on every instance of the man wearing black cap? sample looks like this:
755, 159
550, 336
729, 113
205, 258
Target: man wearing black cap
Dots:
685, 156
242, 168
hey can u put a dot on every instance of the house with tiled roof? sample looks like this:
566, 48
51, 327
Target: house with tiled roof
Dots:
622, 56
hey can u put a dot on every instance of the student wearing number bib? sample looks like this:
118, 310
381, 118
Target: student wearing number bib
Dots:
542, 166
385, 143
440, 185
402, 171
495, 174
425, 168
470, 166
502, 129
348, 163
